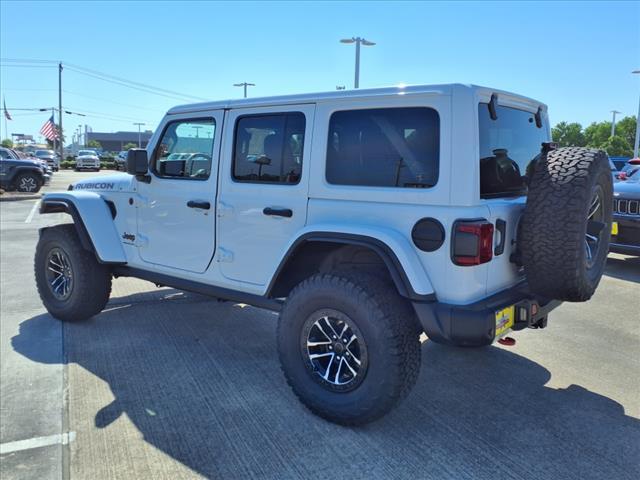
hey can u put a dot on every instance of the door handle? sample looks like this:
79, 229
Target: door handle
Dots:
278, 212
198, 204
501, 226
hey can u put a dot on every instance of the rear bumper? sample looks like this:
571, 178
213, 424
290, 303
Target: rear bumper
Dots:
475, 324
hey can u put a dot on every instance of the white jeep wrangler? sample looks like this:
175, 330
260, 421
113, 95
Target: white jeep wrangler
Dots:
364, 217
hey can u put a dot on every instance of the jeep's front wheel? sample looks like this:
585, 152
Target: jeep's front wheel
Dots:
72, 284
348, 346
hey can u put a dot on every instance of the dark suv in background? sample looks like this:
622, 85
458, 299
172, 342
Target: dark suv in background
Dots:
20, 174
50, 157
625, 233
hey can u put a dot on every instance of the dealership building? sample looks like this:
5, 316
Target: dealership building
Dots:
115, 142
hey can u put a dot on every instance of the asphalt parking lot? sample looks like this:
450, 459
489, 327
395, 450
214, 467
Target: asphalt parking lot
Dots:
167, 384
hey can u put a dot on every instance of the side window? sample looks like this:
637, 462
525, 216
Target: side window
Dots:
268, 148
186, 149
384, 147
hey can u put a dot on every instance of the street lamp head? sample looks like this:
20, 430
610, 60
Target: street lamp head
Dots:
367, 43
348, 40
636, 71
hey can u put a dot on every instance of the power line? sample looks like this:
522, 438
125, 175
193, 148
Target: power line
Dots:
102, 76
112, 102
26, 66
123, 84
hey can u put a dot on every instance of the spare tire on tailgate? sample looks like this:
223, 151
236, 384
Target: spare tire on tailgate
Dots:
566, 226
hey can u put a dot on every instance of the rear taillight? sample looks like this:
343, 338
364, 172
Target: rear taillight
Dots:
634, 161
472, 242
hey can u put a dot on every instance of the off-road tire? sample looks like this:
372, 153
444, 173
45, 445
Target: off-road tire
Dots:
28, 183
389, 329
91, 285
554, 224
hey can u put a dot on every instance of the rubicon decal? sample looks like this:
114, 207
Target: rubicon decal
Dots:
94, 186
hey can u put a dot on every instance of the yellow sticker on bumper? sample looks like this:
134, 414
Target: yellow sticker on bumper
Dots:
505, 319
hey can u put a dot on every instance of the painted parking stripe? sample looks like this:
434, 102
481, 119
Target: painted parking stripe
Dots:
32, 212
37, 442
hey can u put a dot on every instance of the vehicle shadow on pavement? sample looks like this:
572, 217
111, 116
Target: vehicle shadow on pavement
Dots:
623, 268
202, 383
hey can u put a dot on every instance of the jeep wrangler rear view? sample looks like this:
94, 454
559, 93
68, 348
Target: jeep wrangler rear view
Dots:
365, 218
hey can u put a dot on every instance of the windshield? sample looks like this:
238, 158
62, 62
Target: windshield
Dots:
508, 145
86, 152
44, 153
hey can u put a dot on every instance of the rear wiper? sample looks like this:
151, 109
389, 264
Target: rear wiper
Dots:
538, 117
493, 103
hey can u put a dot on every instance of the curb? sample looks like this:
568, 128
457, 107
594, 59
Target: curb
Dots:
12, 197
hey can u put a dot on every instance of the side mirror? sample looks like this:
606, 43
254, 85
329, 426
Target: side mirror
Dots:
137, 162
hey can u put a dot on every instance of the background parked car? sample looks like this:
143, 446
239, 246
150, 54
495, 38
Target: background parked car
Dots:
87, 159
625, 232
50, 157
121, 161
630, 169
21, 175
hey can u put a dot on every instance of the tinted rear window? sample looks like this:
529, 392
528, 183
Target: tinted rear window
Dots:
384, 147
508, 145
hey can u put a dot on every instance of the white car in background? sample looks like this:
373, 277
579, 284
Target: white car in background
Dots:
87, 159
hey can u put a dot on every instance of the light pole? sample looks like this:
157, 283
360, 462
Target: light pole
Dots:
139, 124
358, 41
244, 85
613, 122
635, 146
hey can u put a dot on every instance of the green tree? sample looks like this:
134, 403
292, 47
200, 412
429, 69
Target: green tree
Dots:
568, 134
626, 128
129, 146
597, 134
7, 143
94, 144
617, 147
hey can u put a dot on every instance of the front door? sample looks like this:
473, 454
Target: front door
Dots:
176, 209
263, 188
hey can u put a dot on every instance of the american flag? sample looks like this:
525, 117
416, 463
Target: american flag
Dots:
49, 129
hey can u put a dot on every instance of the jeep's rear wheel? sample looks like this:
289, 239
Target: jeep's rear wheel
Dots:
28, 183
72, 284
348, 346
566, 225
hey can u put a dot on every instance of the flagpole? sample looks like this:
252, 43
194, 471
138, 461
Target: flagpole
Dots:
60, 134
4, 104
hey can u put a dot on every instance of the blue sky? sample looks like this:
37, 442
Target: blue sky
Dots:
574, 56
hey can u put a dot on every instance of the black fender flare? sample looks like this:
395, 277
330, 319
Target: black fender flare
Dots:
387, 255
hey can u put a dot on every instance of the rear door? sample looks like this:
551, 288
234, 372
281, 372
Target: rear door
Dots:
263, 188
508, 145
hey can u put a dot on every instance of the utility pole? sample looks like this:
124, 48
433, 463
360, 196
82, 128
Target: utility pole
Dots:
613, 122
244, 85
358, 41
139, 137
60, 138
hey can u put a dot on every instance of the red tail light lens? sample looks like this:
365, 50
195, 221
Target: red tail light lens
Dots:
472, 243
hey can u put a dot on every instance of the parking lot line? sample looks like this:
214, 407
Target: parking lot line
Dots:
37, 442
33, 211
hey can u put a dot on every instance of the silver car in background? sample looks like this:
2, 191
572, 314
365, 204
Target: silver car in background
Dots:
87, 159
